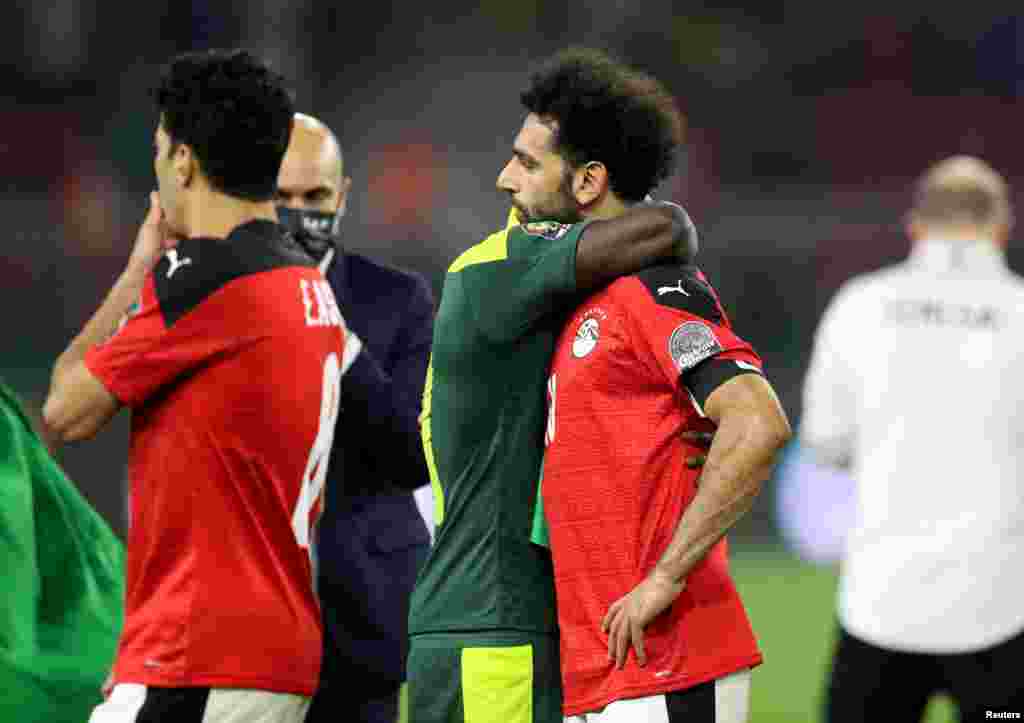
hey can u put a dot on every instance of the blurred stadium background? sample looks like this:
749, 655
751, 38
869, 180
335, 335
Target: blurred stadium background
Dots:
807, 124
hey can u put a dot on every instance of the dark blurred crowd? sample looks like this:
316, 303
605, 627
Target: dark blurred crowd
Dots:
806, 125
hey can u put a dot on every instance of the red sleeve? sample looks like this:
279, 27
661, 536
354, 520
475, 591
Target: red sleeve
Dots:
146, 352
686, 333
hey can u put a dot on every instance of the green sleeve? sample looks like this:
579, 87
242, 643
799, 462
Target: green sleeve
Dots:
536, 277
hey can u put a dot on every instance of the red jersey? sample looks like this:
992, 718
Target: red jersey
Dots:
231, 365
631, 372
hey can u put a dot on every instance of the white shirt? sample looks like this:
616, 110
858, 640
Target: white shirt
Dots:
917, 384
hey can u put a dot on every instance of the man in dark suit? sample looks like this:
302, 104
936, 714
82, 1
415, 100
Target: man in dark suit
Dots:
372, 539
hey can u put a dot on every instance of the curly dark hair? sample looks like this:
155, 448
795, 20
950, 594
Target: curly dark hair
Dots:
606, 111
234, 112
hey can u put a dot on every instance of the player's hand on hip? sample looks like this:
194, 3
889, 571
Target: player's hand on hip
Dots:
152, 239
629, 615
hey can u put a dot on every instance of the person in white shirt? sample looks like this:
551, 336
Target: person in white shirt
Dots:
915, 388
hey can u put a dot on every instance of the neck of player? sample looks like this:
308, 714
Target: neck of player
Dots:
217, 215
608, 206
994, 235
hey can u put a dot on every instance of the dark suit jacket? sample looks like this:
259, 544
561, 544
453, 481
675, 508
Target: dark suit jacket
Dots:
371, 536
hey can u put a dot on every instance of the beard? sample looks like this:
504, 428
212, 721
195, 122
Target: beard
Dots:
560, 206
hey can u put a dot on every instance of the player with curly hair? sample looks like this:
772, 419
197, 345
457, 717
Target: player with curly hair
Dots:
483, 633
651, 625
227, 344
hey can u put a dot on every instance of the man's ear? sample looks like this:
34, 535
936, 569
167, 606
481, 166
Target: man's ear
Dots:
346, 184
912, 227
186, 165
590, 182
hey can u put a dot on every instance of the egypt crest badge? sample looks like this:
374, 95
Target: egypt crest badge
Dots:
588, 332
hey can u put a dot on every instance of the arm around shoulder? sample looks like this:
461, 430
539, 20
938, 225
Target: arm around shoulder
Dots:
646, 234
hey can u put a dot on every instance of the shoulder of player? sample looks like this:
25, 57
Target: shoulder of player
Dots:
510, 242
865, 289
1015, 278
1015, 285
197, 268
547, 230
674, 286
871, 281
493, 248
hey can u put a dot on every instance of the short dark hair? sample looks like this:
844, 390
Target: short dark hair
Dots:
608, 112
234, 112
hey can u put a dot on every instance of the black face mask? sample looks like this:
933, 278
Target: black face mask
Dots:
316, 231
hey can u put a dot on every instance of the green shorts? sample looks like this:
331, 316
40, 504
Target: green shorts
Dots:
498, 677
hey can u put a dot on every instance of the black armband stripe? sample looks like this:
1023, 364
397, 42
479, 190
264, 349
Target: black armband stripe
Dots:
707, 376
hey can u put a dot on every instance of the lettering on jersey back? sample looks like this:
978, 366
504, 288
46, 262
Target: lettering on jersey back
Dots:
319, 304
936, 313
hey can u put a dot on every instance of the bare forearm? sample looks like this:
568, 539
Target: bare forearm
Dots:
78, 405
739, 461
645, 235
103, 323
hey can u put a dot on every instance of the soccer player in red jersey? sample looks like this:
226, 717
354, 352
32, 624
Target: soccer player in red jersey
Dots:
229, 353
636, 534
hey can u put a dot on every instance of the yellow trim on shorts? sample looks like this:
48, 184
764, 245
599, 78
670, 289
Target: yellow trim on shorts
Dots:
497, 684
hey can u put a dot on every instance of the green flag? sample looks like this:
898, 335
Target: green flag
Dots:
63, 578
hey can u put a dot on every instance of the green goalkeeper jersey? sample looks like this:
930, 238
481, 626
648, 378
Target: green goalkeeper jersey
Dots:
63, 573
503, 305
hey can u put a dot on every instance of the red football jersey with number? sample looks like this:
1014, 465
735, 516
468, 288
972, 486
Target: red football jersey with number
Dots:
231, 364
631, 372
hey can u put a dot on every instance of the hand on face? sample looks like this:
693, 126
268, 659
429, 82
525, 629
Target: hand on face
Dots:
152, 240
